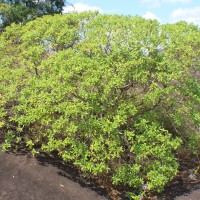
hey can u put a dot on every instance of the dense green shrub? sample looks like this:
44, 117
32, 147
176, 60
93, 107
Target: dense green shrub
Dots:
115, 95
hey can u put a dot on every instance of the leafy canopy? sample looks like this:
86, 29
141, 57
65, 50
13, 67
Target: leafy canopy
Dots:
21, 11
115, 95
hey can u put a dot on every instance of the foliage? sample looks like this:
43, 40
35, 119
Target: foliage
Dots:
115, 95
21, 11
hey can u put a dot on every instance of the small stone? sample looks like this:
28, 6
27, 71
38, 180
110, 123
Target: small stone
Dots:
192, 176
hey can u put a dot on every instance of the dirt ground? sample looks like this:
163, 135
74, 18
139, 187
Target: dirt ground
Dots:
44, 178
26, 178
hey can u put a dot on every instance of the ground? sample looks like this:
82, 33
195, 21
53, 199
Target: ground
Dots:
26, 178
23, 177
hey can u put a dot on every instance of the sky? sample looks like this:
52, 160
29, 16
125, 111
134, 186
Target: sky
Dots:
165, 11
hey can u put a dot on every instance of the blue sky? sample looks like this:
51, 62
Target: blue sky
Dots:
166, 11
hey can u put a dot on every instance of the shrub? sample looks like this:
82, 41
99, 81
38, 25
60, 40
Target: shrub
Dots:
115, 95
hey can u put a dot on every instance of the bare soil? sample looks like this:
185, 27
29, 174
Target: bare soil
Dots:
44, 177
27, 178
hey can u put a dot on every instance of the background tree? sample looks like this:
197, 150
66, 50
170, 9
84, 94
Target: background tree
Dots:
21, 11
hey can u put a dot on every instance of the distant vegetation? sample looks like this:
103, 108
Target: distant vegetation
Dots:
118, 96
22, 11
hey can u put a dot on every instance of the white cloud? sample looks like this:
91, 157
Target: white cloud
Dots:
79, 7
156, 3
187, 14
151, 3
150, 15
177, 1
